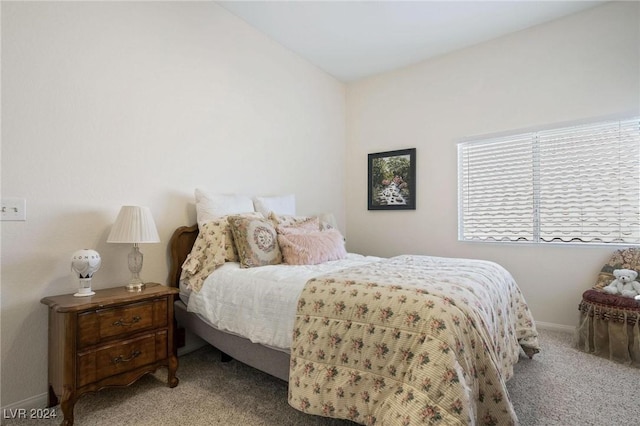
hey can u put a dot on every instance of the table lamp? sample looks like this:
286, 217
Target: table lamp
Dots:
134, 225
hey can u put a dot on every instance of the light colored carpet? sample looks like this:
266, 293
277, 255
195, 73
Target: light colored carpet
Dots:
560, 386
563, 386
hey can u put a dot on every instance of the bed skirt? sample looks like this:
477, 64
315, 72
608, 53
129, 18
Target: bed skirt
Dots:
271, 361
609, 330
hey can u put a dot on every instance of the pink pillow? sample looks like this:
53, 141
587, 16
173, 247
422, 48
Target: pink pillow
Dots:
311, 248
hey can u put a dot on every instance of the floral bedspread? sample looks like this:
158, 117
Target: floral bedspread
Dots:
410, 340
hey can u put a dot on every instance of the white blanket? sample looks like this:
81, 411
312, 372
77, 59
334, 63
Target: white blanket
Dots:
260, 303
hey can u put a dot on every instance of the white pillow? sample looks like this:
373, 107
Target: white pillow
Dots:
212, 206
281, 205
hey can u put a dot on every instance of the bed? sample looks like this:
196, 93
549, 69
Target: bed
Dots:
405, 340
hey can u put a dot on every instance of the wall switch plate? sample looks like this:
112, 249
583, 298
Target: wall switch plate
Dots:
13, 209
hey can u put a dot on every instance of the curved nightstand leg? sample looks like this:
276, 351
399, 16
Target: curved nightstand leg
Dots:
68, 401
172, 367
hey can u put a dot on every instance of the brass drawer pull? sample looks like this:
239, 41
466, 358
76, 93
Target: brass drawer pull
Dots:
120, 358
123, 323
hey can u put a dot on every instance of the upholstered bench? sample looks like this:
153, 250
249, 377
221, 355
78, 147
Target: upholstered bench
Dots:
610, 324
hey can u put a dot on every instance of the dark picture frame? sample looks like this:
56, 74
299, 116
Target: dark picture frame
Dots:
392, 180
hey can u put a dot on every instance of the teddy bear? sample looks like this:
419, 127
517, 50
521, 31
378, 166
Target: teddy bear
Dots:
624, 284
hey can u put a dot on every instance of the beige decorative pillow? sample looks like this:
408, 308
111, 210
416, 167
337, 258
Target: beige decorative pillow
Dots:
289, 220
310, 225
327, 221
231, 254
211, 249
206, 255
256, 241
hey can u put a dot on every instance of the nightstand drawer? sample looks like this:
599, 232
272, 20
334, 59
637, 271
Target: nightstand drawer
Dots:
96, 326
121, 357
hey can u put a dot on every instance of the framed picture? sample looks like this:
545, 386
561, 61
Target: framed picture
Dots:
392, 180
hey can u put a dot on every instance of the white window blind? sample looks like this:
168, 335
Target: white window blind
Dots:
575, 184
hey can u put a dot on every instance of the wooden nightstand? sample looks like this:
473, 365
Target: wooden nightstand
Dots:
109, 339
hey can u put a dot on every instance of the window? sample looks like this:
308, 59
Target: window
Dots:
575, 184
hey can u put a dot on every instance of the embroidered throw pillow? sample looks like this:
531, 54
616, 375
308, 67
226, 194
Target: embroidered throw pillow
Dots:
256, 241
231, 254
212, 248
312, 247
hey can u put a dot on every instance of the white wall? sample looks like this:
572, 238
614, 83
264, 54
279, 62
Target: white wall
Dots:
109, 103
580, 67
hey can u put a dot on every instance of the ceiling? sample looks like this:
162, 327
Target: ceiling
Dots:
355, 39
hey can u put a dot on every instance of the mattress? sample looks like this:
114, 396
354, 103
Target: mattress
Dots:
259, 303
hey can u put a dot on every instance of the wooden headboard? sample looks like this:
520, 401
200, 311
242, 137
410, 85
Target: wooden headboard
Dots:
179, 248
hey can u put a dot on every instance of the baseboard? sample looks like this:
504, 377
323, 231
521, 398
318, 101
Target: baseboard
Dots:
38, 401
555, 327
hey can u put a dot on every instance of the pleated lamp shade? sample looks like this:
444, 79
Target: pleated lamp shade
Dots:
134, 224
